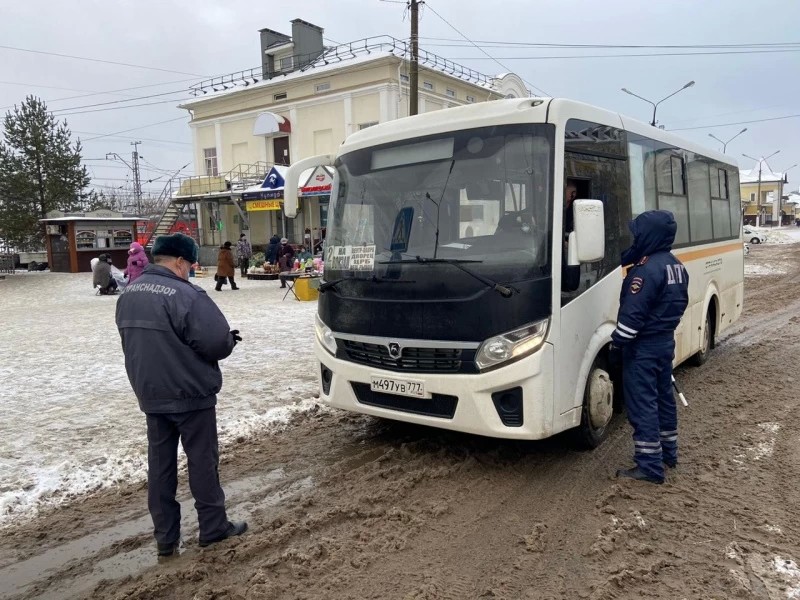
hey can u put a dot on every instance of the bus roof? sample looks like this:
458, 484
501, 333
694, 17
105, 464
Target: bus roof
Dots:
511, 111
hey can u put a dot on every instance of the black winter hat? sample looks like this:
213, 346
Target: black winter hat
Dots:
226, 245
177, 245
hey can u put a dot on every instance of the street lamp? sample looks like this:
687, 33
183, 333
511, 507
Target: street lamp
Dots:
655, 105
758, 194
725, 144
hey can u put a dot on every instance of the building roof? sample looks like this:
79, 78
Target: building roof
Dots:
56, 216
338, 57
767, 174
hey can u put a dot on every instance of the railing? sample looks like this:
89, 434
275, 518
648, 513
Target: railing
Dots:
343, 52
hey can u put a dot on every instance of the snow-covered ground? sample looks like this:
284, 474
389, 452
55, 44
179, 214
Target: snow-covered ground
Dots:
70, 421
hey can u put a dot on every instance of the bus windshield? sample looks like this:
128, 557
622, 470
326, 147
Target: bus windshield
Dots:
480, 197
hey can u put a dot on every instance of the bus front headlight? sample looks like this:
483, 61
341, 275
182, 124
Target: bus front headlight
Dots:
325, 335
512, 345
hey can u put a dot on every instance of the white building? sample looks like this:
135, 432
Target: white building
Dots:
304, 100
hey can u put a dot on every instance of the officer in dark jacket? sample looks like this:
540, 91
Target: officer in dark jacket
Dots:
172, 337
653, 298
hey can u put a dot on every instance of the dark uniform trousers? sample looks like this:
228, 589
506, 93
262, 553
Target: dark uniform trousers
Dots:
650, 403
197, 431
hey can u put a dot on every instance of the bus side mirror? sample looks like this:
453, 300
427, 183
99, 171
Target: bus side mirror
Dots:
587, 243
291, 187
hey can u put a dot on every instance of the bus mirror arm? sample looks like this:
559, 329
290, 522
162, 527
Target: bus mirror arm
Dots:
291, 188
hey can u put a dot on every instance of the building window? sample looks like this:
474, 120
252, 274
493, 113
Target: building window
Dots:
210, 158
470, 98
752, 196
286, 63
451, 93
404, 77
322, 87
365, 125
279, 96
427, 85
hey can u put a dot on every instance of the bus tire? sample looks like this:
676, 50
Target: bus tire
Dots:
598, 407
706, 344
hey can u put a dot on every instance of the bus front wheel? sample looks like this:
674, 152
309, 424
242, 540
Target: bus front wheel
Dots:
598, 407
706, 343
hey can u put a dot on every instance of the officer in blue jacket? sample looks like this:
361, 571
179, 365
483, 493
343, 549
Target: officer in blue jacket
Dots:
173, 337
654, 295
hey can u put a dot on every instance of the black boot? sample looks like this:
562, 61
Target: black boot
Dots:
234, 529
639, 475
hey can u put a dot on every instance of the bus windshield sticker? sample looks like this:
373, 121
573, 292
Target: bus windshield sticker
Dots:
350, 258
402, 229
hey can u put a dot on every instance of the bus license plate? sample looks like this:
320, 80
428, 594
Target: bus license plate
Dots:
403, 387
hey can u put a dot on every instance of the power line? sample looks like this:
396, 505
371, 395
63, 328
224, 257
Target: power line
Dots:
630, 55
433, 10
83, 112
736, 123
182, 118
130, 137
99, 60
61, 110
503, 43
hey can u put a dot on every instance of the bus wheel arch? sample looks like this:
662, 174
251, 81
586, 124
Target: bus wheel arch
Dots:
599, 404
708, 333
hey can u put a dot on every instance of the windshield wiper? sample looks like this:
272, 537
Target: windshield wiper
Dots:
374, 279
506, 291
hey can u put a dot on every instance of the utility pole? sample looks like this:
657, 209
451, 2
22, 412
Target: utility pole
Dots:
137, 182
413, 91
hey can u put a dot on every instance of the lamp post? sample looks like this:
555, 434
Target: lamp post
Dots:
758, 193
725, 144
655, 105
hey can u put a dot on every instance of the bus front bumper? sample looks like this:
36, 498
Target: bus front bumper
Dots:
459, 402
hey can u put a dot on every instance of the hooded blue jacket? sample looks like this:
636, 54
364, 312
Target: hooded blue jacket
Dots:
172, 337
655, 291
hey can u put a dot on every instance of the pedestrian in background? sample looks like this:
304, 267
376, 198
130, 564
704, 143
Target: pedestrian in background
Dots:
173, 336
225, 267
137, 261
243, 252
654, 296
285, 250
272, 249
102, 277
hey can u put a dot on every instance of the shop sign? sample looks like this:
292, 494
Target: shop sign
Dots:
256, 205
319, 184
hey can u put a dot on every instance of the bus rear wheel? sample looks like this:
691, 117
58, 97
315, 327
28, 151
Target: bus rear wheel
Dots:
598, 407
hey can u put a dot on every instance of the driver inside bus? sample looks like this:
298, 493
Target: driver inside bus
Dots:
570, 275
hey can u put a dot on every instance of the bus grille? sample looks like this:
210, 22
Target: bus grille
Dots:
439, 405
415, 360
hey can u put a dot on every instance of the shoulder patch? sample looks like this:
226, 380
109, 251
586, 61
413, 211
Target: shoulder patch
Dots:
643, 260
637, 283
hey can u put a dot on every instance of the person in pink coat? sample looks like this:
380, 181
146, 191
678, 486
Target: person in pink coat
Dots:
137, 261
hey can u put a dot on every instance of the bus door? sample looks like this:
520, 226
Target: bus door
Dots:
595, 167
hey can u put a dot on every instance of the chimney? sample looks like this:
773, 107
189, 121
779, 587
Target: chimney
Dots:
270, 38
307, 40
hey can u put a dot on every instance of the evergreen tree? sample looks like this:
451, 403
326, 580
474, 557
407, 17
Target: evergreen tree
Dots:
40, 171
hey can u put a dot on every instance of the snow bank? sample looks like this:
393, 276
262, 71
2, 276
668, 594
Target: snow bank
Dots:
72, 424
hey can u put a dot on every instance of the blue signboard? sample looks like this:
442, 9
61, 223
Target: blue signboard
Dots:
273, 180
402, 230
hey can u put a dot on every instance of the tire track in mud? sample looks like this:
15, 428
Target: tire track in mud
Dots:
395, 511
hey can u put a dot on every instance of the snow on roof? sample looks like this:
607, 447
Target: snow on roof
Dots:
767, 174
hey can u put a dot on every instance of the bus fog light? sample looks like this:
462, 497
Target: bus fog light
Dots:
514, 344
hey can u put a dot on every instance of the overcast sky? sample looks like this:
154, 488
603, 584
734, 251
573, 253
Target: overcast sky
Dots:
189, 39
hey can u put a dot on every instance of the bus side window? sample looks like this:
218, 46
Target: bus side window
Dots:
605, 179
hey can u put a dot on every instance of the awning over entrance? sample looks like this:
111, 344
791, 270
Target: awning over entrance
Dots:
268, 124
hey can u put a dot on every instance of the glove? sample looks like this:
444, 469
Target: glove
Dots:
615, 357
236, 337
